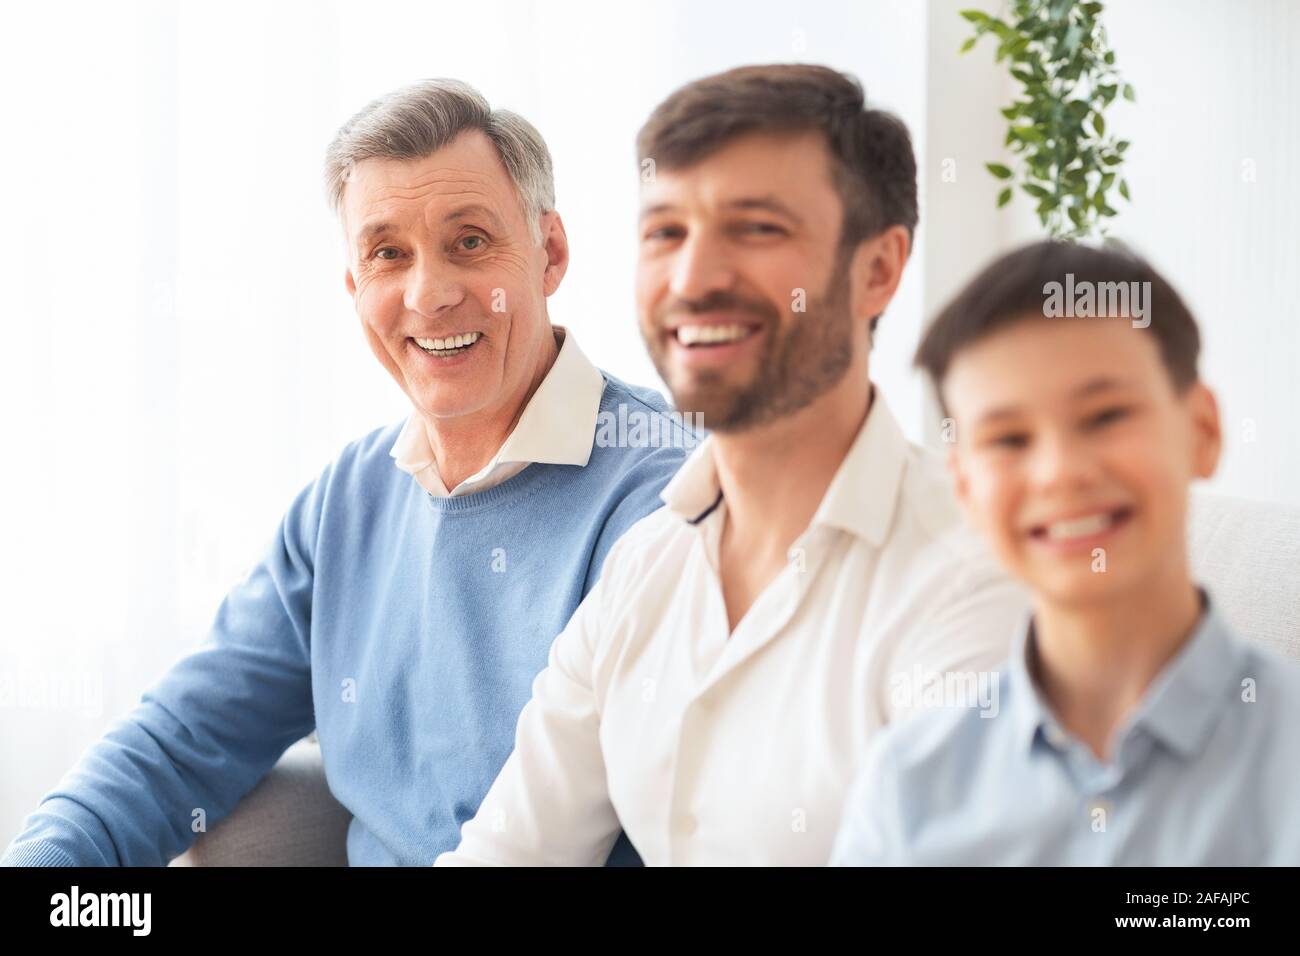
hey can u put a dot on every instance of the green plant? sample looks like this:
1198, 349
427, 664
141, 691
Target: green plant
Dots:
1057, 50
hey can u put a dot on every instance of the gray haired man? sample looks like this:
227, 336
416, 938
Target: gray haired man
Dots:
410, 594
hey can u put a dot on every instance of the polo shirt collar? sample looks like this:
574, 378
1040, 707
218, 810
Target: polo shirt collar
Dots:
861, 498
1179, 709
557, 426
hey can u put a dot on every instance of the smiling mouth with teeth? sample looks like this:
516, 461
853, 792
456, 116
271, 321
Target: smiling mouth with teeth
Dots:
451, 345
1086, 526
704, 336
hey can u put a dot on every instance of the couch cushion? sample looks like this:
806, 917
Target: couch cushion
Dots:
289, 819
1247, 553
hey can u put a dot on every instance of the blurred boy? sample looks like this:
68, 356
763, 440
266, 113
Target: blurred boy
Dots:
1133, 726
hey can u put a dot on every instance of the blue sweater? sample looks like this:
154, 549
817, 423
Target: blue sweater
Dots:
407, 629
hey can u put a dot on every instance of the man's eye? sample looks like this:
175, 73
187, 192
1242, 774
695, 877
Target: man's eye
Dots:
664, 232
380, 253
763, 229
1009, 440
476, 240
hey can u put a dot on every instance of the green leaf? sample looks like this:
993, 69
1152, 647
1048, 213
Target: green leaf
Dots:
1004, 197
1003, 31
1106, 181
1038, 192
1099, 124
998, 170
1129, 94
1123, 190
975, 16
970, 42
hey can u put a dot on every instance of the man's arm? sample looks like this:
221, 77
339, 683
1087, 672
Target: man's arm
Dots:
966, 629
204, 734
549, 806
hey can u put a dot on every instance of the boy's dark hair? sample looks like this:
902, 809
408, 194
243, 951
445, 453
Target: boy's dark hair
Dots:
873, 166
1015, 286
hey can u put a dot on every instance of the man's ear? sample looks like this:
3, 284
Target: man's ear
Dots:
877, 269
555, 241
350, 282
1207, 429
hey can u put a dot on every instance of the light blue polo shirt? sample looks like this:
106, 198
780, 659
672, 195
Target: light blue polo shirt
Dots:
1206, 772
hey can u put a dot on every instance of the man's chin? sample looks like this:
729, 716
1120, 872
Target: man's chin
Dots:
447, 401
724, 417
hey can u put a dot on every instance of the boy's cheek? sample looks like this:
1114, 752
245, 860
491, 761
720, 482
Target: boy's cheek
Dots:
991, 505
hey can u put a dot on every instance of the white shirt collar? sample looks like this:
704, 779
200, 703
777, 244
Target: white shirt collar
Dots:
557, 426
861, 497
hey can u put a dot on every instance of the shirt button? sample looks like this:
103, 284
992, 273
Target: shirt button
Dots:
1056, 737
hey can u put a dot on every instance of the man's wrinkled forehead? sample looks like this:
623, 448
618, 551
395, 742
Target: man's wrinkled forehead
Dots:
386, 195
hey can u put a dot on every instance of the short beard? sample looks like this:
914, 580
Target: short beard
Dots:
795, 369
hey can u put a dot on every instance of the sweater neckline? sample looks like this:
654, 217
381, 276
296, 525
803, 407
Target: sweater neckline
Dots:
519, 485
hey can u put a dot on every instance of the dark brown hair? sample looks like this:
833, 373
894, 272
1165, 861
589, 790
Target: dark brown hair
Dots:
872, 163
1015, 287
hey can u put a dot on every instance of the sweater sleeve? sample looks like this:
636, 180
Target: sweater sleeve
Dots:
203, 734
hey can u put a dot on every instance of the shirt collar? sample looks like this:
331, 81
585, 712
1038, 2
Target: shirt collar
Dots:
557, 425
860, 499
1180, 707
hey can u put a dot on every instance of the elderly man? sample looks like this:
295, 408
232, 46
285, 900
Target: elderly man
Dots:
809, 579
410, 594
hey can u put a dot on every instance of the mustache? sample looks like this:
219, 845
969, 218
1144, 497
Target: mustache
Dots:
718, 301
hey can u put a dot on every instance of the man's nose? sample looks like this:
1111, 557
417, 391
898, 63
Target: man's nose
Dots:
432, 286
701, 266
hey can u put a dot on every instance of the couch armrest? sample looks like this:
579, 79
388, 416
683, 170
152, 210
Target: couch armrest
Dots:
289, 819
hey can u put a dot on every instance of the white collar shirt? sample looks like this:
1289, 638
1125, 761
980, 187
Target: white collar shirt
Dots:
555, 427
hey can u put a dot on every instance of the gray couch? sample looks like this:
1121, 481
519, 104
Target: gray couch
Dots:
1246, 552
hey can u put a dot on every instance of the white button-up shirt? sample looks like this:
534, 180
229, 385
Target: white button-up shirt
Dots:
551, 429
714, 749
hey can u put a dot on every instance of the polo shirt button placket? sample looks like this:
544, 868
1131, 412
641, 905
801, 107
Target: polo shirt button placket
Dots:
1056, 737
